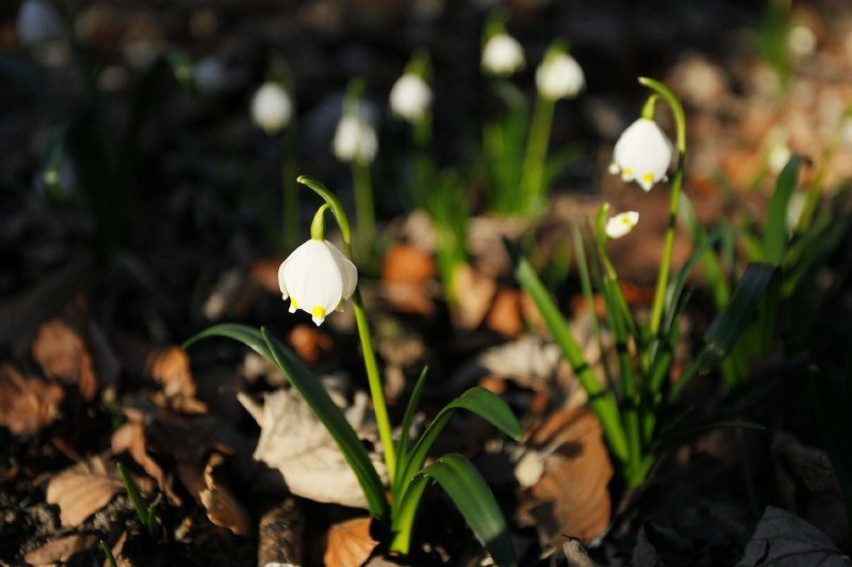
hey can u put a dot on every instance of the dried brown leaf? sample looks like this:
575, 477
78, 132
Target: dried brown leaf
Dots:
83, 489
60, 550
27, 404
222, 508
309, 342
505, 314
169, 367
571, 496
474, 293
62, 354
406, 270
130, 437
265, 273
349, 543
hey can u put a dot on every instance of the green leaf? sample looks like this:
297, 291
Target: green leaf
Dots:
407, 419
775, 234
471, 495
317, 398
479, 401
730, 323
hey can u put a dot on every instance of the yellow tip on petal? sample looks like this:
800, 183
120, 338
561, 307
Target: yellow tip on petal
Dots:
293, 305
648, 178
318, 315
628, 172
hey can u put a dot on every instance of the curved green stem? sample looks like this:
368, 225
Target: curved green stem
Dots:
677, 183
532, 172
370, 363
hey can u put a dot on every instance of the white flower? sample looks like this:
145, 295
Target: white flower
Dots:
355, 140
643, 153
317, 278
38, 22
502, 55
271, 108
621, 224
410, 97
559, 76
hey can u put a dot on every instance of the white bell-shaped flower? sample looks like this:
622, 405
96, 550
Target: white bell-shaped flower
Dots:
355, 140
410, 97
271, 108
38, 22
621, 224
643, 154
317, 278
502, 55
559, 76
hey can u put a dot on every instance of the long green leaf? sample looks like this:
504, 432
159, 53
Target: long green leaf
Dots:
477, 400
317, 398
407, 419
775, 233
602, 401
730, 323
471, 495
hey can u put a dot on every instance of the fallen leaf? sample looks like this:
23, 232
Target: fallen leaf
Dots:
308, 342
222, 508
62, 354
784, 539
405, 272
576, 555
83, 489
349, 543
265, 273
130, 437
571, 498
27, 404
296, 443
169, 367
60, 550
280, 531
505, 314
474, 293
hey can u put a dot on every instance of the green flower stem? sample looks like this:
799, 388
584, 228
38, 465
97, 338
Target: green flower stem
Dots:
364, 215
677, 183
370, 364
532, 172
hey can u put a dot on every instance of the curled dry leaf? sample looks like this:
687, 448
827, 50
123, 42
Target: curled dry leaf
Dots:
571, 496
83, 489
60, 550
349, 543
26, 404
130, 437
296, 443
169, 367
505, 314
62, 354
222, 508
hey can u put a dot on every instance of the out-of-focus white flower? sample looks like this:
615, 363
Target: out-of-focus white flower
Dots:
355, 139
317, 278
502, 55
38, 22
621, 224
643, 154
779, 155
801, 41
271, 108
559, 76
410, 97
795, 208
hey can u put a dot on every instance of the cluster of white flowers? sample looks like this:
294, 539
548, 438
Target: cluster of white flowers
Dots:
271, 108
355, 139
643, 154
502, 55
410, 97
559, 76
317, 278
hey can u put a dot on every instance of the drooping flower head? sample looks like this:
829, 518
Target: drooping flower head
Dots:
502, 55
643, 154
559, 75
271, 108
317, 278
621, 224
355, 139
